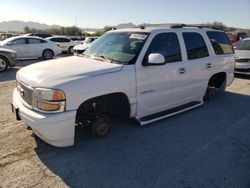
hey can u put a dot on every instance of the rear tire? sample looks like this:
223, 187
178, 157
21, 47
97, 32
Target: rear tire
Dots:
48, 54
4, 63
100, 127
71, 50
210, 93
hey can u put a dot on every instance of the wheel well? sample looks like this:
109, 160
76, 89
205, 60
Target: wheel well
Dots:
50, 50
114, 104
4, 57
217, 80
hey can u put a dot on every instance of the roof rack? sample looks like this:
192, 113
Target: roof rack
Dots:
190, 25
174, 26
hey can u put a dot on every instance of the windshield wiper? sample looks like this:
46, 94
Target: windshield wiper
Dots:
107, 59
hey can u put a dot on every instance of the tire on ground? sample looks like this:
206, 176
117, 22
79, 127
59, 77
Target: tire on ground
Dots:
4, 63
48, 54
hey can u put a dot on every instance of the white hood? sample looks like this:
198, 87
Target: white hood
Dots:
58, 71
242, 54
83, 46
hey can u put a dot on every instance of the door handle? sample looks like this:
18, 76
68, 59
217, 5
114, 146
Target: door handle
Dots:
181, 70
209, 65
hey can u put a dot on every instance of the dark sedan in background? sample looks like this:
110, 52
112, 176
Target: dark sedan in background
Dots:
7, 59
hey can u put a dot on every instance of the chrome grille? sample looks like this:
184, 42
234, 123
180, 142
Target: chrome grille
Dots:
25, 92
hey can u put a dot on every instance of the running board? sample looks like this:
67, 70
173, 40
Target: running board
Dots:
167, 113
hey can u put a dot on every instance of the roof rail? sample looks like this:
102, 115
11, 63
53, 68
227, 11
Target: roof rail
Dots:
190, 25
173, 25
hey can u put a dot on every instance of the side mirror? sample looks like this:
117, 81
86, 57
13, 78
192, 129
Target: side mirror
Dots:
155, 59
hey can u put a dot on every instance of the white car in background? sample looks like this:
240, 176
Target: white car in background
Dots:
80, 48
65, 43
242, 52
31, 47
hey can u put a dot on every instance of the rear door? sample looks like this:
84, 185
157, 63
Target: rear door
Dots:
198, 63
36, 47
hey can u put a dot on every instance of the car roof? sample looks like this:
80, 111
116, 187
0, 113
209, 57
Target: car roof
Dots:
57, 37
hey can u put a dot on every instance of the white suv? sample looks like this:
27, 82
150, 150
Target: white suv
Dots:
144, 73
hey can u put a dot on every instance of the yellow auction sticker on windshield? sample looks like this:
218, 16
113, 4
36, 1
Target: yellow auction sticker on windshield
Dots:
138, 36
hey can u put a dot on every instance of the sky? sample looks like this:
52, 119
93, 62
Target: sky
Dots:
97, 13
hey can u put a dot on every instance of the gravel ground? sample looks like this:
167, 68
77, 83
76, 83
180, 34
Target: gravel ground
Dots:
205, 147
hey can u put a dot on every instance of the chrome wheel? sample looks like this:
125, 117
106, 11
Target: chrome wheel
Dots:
47, 54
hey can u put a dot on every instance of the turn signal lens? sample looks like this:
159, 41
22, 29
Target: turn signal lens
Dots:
58, 95
47, 106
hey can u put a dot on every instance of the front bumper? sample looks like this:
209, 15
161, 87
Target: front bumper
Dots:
55, 129
242, 68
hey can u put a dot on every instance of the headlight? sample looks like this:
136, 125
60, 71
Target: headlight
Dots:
49, 100
12, 55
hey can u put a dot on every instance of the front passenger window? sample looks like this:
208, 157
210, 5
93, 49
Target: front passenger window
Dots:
166, 44
18, 42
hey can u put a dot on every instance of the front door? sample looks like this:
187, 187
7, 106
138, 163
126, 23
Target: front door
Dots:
162, 87
20, 46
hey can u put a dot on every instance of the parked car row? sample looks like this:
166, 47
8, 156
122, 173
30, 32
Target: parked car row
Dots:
27, 47
38, 45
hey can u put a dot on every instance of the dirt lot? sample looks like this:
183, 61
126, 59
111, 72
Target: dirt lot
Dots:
206, 147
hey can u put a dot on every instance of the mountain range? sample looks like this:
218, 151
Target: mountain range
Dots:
18, 26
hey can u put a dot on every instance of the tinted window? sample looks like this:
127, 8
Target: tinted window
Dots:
64, 40
19, 41
166, 44
195, 46
55, 39
34, 41
220, 42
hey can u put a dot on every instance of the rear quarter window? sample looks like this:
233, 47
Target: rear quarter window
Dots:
220, 42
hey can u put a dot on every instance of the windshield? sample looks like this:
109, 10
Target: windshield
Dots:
243, 45
119, 47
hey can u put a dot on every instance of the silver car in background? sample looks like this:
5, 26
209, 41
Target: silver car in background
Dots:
242, 52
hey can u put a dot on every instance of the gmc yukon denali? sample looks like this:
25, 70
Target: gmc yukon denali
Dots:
147, 73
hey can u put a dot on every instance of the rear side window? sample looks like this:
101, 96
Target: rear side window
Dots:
166, 44
55, 39
64, 40
220, 42
195, 46
34, 41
